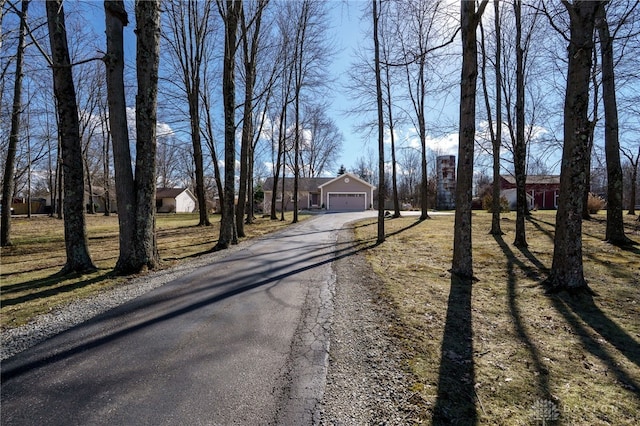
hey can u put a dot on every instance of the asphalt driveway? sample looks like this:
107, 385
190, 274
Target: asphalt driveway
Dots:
241, 341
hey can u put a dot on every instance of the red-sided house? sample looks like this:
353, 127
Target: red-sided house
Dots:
543, 189
346, 192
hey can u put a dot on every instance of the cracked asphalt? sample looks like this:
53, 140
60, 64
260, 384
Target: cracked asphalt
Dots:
241, 341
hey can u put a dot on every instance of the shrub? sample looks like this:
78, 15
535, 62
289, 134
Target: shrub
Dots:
487, 203
595, 203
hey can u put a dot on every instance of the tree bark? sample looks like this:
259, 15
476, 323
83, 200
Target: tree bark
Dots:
78, 258
462, 264
567, 269
635, 162
115, 20
16, 111
615, 223
250, 51
228, 233
520, 148
147, 61
381, 185
496, 208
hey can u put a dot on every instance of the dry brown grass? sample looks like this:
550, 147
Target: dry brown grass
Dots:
28, 269
490, 351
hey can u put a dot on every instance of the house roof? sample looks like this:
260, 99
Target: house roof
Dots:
304, 184
309, 184
350, 175
172, 192
535, 179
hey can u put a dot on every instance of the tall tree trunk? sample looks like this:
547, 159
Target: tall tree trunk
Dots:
228, 234
106, 140
115, 20
424, 202
586, 215
381, 186
567, 269
75, 232
296, 159
91, 207
394, 167
615, 223
520, 148
147, 61
194, 117
250, 50
10, 164
246, 139
301, 34
462, 264
496, 135
634, 179
276, 173
212, 148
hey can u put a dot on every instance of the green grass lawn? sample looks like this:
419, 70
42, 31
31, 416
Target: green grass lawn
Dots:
500, 350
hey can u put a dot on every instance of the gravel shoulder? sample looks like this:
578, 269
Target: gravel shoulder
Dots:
367, 380
44, 326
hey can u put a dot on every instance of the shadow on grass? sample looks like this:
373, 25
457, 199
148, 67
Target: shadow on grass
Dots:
588, 322
542, 373
455, 403
536, 222
406, 228
42, 288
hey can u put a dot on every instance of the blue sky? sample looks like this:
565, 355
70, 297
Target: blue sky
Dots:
349, 31
352, 31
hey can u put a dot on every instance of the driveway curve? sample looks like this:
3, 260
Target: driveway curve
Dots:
243, 340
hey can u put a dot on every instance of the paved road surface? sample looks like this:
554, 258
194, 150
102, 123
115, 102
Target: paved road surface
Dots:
241, 341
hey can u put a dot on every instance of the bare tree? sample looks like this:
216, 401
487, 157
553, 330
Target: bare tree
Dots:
135, 196
187, 33
230, 11
116, 18
566, 269
381, 188
209, 132
250, 39
462, 264
615, 223
16, 111
519, 142
495, 132
78, 259
423, 38
634, 161
321, 143
147, 61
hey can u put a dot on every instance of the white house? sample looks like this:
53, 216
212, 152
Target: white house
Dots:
175, 200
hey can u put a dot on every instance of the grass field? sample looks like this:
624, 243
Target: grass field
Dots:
28, 269
500, 351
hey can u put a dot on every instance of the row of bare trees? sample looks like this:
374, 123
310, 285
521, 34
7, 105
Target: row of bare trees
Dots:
519, 103
265, 59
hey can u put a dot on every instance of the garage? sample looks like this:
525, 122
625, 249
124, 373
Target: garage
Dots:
346, 193
347, 202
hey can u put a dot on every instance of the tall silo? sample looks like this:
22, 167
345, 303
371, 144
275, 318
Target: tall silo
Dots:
446, 182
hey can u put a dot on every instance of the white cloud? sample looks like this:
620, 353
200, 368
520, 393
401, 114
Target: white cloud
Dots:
442, 145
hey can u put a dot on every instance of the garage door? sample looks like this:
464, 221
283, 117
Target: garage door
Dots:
347, 202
